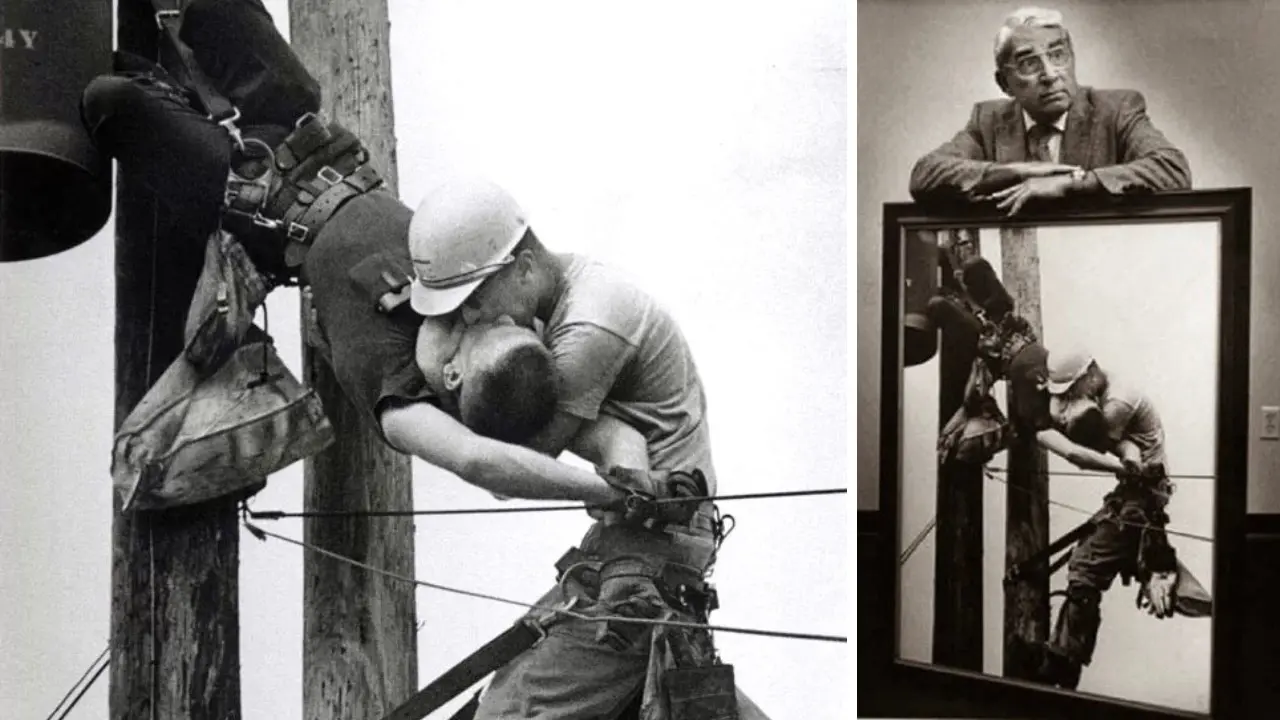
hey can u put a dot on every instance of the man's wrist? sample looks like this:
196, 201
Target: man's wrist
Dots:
1083, 182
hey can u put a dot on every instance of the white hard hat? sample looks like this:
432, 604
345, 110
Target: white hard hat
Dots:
1064, 368
461, 233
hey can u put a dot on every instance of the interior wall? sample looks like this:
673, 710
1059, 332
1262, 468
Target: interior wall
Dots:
1206, 70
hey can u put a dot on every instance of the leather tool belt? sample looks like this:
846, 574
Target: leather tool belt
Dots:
307, 178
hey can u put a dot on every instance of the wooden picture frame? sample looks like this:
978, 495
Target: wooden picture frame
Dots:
1133, 248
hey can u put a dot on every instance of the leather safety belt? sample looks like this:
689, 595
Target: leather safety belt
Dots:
496, 653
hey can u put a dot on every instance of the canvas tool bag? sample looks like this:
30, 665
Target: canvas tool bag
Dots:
197, 436
228, 293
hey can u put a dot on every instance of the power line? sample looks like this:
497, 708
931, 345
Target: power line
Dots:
280, 514
990, 474
263, 534
1100, 474
911, 549
83, 690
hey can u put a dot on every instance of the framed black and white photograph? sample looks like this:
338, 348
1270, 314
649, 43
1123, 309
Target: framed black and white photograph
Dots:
1063, 467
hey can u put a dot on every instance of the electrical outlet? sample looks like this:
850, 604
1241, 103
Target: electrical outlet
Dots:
1270, 422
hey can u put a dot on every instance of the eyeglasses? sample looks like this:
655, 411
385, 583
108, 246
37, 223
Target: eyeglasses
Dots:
1030, 66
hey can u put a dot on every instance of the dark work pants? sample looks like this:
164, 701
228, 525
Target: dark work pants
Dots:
149, 125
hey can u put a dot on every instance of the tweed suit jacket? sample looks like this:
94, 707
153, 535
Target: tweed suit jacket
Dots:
1107, 131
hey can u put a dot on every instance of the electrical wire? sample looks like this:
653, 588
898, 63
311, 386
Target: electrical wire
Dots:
77, 683
990, 474
280, 514
263, 534
1100, 474
911, 549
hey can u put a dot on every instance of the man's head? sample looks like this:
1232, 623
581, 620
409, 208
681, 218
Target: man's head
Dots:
1081, 420
517, 290
1035, 62
1074, 374
501, 375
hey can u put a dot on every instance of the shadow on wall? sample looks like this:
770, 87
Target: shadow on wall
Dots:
1206, 72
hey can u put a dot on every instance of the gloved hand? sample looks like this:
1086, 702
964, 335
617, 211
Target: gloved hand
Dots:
644, 489
1156, 595
1132, 467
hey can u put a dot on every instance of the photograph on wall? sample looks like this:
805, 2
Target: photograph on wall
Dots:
1058, 425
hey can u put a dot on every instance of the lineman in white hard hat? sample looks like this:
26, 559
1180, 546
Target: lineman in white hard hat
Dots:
1128, 536
618, 353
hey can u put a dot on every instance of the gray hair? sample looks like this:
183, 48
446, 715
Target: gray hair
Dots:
1024, 17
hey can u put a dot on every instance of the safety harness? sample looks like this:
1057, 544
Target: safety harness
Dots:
304, 180
978, 429
636, 570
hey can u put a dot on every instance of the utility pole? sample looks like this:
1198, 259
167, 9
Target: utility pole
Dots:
1026, 601
175, 627
957, 604
359, 632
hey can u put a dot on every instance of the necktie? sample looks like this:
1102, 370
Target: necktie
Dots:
1038, 138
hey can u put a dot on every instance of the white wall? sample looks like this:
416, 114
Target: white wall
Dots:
701, 147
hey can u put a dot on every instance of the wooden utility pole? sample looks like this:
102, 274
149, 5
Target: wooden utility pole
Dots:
360, 643
957, 604
175, 628
1026, 601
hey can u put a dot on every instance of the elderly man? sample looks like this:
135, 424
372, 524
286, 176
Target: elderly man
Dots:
1128, 536
619, 355
1051, 138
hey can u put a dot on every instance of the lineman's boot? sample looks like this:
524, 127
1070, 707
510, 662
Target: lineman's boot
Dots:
1074, 636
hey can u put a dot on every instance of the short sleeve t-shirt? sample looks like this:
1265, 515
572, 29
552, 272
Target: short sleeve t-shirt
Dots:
620, 353
1131, 416
372, 353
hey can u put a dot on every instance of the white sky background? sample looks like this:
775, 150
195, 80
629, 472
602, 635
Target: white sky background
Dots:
1144, 300
699, 146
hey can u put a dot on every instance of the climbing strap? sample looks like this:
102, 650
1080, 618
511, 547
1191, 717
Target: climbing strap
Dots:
493, 655
219, 109
1031, 566
311, 174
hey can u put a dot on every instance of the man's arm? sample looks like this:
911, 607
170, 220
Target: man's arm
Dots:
1078, 455
1148, 160
588, 361
961, 169
425, 431
608, 442
955, 168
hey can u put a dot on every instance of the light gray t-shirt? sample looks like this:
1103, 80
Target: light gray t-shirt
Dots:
619, 353
1131, 416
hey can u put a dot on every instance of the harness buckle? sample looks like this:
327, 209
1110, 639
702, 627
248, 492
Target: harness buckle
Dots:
162, 15
304, 119
329, 175
297, 232
229, 124
263, 221
542, 622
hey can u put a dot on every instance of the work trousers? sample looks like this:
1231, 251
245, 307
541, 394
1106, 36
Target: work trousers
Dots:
570, 675
150, 126
1117, 537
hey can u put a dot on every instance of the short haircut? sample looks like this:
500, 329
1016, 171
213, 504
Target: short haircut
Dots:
1090, 429
1025, 17
515, 397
